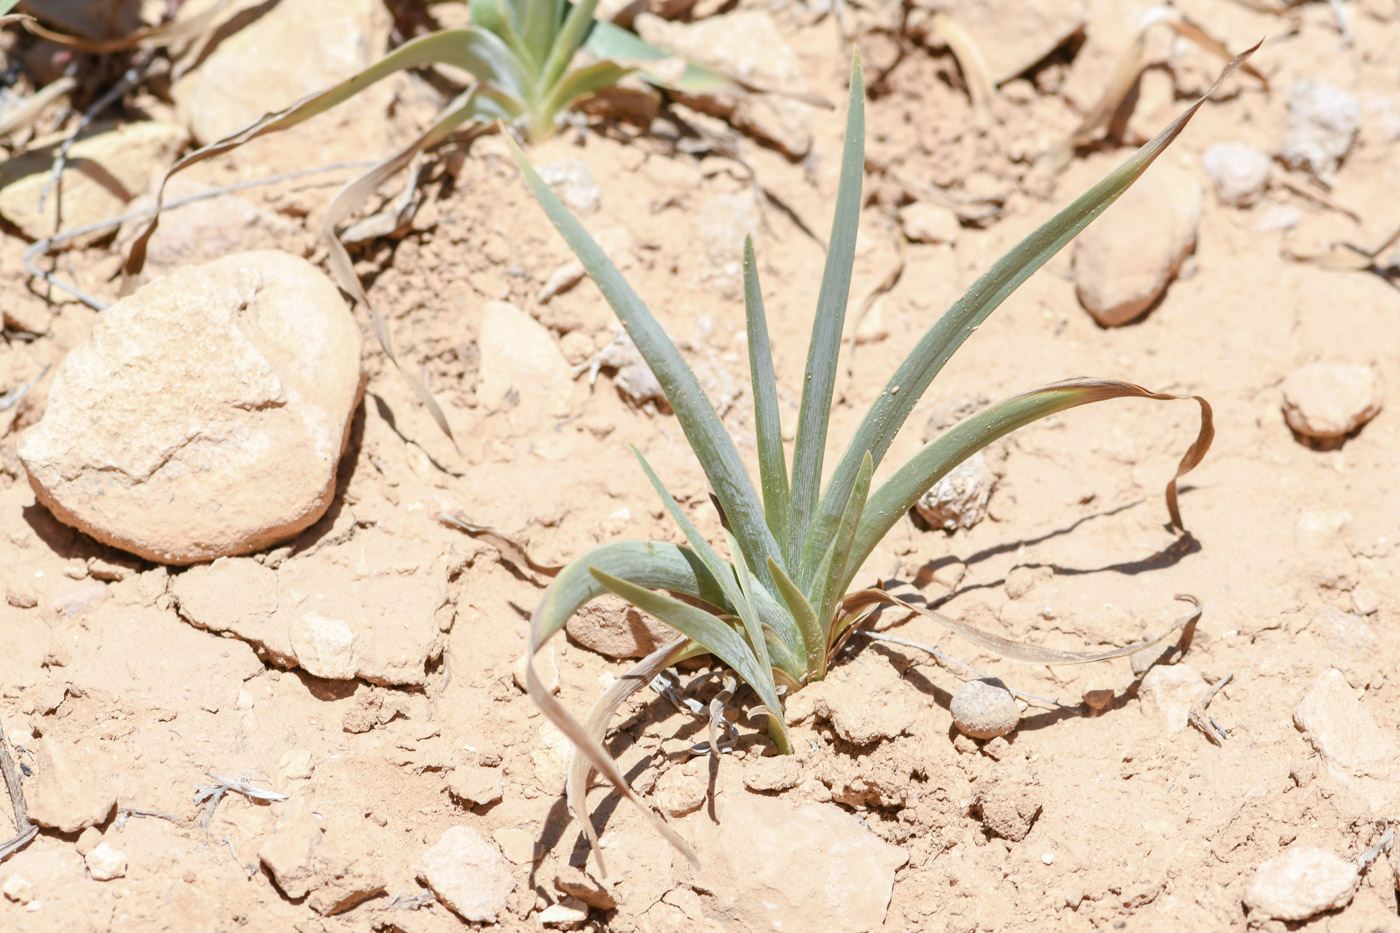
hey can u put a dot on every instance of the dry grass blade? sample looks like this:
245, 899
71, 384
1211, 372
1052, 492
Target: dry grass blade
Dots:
1345, 257
1015, 650
201, 24
510, 549
973, 64
29, 111
1122, 85
581, 766
24, 830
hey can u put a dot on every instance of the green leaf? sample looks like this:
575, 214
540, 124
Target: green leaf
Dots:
704, 629
611, 42
540, 24
813, 637
703, 428
576, 84
820, 377
747, 611
499, 17
772, 461
918, 474
829, 583
914, 375
567, 42
654, 564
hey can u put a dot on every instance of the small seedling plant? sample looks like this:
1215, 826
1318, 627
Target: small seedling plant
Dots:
780, 605
529, 61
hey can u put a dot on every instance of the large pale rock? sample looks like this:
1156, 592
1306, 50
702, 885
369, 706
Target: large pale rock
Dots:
1300, 883
770, 865
1357, 752
520, 363
746, 45
1124, 261
296, 48
468, 874
105, 169
205, 415
960, 499
1330, 400
375, 607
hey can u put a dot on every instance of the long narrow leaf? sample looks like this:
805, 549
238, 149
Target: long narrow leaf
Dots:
576, 84
747, 611
819, 380
702, 425
703, 628
804, 614
829, 583
887, 415
772, 461
471, 48
613, 43
541, 20
577, 25
917, 475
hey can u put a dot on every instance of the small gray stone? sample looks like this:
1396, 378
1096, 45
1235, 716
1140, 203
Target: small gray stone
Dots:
959, 500
1300, 883
1240, 173
984, 709
1322, 124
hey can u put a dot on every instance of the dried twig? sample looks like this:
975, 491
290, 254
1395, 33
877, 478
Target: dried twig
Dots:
24, 830
211, 794
13, 397
947, 660
1204, 722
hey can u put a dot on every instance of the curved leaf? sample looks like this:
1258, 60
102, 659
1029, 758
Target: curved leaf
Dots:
596, 77
917, 475
772, 462
805, 615
830, 580
702, 425
890, 410
819, 379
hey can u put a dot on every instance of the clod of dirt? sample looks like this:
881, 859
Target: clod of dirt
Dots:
1240, 172
959, 499
775, 773
1358, 752
1326, 401
568, 914
288, 852
384, 628
546, 664
476, 784
1322, 124
577, 883
127, 155
929, 223
632, 377
269, 62
105, 863
759, 871
206, 414
1172, 690
342, 885
1351, 644
1300, 883
468, 874
17, 888
521, 364
984, 709
747, 45
73, 790
295, 765
683, 789
1009, 802
614, 629
865, 701
1124, 261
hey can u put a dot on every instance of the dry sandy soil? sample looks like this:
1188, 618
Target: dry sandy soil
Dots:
116, 683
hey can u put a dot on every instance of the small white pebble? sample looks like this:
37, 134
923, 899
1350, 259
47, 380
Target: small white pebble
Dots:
1048, 858
106, 863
